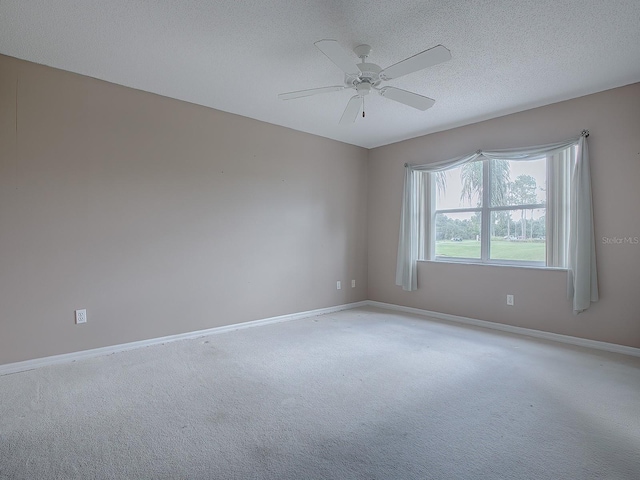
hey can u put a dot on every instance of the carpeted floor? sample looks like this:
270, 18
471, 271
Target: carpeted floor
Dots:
359, 394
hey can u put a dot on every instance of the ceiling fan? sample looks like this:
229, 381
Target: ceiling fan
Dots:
365, 77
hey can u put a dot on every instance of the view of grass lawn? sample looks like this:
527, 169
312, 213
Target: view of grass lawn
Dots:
500, 250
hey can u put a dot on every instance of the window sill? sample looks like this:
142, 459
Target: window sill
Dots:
484, 264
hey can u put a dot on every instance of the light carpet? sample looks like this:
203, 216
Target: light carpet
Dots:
358, 394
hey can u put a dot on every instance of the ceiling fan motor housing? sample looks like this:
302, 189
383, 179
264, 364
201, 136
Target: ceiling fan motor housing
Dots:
369, 73
363, 88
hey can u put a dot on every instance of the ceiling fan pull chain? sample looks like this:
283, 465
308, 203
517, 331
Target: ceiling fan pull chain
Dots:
362, 107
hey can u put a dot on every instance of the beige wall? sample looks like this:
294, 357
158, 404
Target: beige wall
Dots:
162, 217
613, 118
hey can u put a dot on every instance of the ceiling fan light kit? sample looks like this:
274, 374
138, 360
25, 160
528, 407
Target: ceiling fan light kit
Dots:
366, 77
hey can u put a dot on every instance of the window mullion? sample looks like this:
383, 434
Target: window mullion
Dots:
459, 210
486, 216
505, 208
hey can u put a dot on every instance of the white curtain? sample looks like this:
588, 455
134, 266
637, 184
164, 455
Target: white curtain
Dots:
582, 283
583, 277
557, 213
408, 247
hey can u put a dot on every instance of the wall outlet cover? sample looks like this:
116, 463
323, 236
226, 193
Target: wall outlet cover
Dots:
81, 316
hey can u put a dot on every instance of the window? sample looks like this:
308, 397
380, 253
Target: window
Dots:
500, 212
487, 208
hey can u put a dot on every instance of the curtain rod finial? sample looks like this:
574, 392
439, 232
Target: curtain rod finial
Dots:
406, 165
585, 133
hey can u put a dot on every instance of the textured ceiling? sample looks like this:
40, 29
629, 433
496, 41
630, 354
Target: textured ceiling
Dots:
237, 55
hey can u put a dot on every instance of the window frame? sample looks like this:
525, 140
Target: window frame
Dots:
485, 210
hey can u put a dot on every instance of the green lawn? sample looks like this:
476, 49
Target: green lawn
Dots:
500, 250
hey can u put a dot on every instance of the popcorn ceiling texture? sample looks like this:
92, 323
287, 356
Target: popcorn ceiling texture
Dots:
236, 56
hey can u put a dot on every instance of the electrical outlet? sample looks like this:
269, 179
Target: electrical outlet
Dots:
353, 284
81, 316
339, 285
510, 300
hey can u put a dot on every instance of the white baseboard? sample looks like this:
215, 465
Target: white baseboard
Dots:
96, 352
556, 337
16, 367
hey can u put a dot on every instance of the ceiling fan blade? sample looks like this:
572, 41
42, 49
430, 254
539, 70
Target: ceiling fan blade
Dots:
425, 59
353, 109
337, 55
408, 98
312, 91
